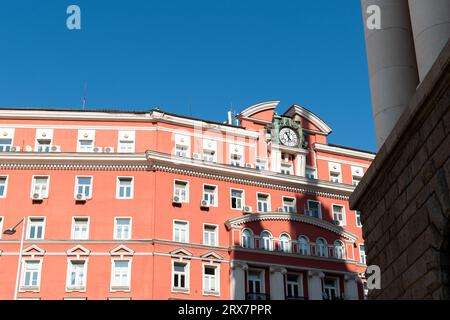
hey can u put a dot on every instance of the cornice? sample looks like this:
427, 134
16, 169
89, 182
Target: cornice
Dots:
266, 179
343, 152
286, 216
305, 113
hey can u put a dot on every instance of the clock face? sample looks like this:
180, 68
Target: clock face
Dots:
288, 137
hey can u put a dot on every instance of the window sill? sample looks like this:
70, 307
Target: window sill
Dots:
212, 293
120, 289
29, 289
76, 289
180, 290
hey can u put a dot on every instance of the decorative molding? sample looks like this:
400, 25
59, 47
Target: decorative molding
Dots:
308, 115
181, 252
118, 251
257, 108
33, 251
286, 216
208, 255
344, 152
78, 251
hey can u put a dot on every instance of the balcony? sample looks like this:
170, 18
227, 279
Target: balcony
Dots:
254, 296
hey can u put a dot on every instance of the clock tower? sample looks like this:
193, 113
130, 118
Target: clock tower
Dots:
287, 146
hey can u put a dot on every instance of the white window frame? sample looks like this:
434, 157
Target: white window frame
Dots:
286, 168
118, 187
361, 259
344, 218
262, 272
320, 206
261, 241
72, 234
186, 190
217, 279
187, 230
130, 140
325, 243
2, 218
216, 194
299, 283
24, 287
90, 137
44, 220
7, 146
186, 289
261, 164
308, 246
337, 285
5, 191
294, 201
288, 243
33, 185
269, 206
242, 199
313, 169
130, 227
69, 287
91, 186
37, 143
358, 214
251, 239
184, 145
344, 256
114, 287
216, 234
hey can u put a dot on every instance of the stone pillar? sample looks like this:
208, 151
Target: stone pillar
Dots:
277, 288
237, 280
392, 64
430, 22
275, 159
351, 286
300, 165
315, 291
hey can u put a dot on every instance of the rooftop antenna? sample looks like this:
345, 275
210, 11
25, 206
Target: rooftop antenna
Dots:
84, 96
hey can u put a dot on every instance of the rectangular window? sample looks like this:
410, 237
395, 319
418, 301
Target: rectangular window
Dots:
314, 209
335, 177
3, 186
5, 145
356, 180
210, 235
80, 228
125, 188
237, 199
180, 276
120, 274
289, 205
31, 274
310, 173
84, 186
122, 229
210, 195
293, 286
286, 169
338, 215
362, 254
209, 155
36, 228
210, 280
126, 146
236, 160
85, 145
40, 187
181, 151
358, 218
260, 164
180, 231
76, 275
181, 190
255, 282
263, 202
330, 289
43, 145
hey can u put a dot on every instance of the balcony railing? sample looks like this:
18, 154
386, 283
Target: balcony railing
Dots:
254, 296
296, 247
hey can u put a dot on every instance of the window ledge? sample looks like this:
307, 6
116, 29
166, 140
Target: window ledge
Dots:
120, 288
29, 289
180, 290
76, 289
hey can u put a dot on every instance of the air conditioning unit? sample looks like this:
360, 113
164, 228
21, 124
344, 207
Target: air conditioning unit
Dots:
37, 196
80, 197
204, 204
176, 199
97, 149
108, 149
196, 156
248, 165
28, 148
247, 210
55, 148
15, 149
280, 209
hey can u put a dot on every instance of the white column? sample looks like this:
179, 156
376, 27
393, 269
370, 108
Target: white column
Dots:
275, 159
277, 288
392, 64
351, 286
315, 291
237, 280
430, 20
300, 165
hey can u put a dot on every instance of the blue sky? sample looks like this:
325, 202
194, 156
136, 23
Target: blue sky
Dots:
197, 57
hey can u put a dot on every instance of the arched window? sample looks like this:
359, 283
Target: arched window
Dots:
303, 246
247, 239
321, 248
339, 250
285, 243
266, 239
